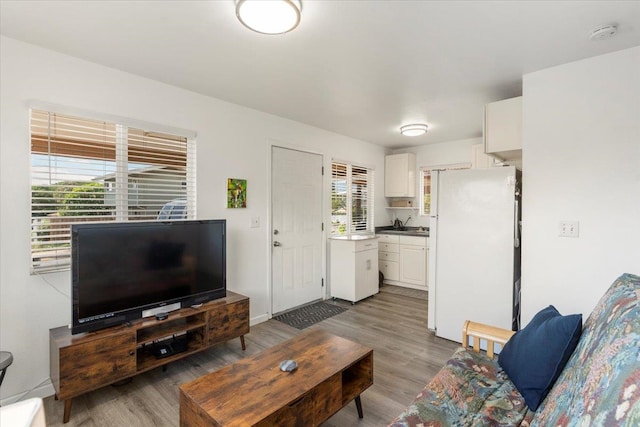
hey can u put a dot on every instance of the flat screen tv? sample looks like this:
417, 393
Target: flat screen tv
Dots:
123, 271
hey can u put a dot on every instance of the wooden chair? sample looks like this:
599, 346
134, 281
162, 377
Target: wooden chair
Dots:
476, 334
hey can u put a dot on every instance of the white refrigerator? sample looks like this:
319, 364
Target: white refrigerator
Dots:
474, 254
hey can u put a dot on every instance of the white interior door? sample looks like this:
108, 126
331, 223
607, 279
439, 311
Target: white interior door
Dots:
296, 204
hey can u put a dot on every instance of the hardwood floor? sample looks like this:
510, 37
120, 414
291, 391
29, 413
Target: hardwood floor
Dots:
405, 354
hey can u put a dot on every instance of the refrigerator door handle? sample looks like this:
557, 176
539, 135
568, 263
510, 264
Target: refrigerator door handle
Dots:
516, 227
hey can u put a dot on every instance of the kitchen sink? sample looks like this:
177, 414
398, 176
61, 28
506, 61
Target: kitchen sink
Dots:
406, 232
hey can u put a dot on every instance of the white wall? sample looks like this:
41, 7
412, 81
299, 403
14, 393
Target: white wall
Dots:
233, 142
446, 153
581, 160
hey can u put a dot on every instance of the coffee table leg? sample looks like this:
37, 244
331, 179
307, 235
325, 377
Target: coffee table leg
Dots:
244, 347
359, 406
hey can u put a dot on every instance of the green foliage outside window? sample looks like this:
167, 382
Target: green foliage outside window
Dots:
71, 198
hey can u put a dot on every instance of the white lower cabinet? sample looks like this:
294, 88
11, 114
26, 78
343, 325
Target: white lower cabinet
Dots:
354, 268
390, 269
412, 265
389, 256
403, 260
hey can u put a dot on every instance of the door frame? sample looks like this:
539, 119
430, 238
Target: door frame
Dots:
273, 143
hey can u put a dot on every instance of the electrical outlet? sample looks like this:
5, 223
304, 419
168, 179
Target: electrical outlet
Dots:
569, 229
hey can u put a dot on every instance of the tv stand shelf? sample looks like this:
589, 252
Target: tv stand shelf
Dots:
169, 327
147, 361
84, 362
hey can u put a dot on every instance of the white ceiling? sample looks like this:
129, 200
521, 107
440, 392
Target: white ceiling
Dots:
360, 68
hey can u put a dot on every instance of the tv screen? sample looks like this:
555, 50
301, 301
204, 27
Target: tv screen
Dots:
120, 270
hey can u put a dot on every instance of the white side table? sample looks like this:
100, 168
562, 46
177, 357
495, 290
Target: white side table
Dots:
27, 413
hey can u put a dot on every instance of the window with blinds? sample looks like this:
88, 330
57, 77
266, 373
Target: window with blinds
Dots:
351, 199
426, 192
425, 184
85, 170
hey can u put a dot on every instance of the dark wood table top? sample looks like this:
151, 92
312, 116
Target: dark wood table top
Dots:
253, 388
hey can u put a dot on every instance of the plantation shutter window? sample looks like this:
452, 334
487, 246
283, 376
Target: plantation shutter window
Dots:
339, 185
425, 183
351, 199
86, 170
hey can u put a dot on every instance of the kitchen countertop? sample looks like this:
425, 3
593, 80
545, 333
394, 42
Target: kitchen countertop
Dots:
355, 237
405, 231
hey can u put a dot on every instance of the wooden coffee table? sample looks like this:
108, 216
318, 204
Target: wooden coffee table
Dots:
332, 371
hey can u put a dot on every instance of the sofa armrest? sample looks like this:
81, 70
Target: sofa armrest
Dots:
474, 332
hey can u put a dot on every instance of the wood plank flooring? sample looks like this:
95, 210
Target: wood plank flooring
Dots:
405, 354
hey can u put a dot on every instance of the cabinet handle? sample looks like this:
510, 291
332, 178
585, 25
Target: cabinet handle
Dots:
298, 401
131, 352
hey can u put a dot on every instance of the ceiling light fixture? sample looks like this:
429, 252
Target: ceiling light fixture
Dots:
603, 32
269, 16
414, 129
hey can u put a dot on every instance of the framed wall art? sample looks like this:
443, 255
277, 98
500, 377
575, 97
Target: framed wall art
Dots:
236, 193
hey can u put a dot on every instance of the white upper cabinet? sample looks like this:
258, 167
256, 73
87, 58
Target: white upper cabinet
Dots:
503, 129
479, 160
400, 175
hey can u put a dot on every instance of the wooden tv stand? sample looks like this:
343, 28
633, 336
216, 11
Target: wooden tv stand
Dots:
84, 362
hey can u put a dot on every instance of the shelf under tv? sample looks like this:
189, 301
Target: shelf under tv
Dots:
84, 362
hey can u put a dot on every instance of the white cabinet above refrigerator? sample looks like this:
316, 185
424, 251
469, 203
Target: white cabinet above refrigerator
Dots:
503, 129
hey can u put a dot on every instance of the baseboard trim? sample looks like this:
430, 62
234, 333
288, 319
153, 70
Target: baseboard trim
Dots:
405, 285
259, 319
44, 389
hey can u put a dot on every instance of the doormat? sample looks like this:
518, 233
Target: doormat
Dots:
303, 317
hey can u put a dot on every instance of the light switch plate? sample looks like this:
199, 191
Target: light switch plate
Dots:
255, 221
569, 229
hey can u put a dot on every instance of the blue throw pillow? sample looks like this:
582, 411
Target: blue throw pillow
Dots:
534, 356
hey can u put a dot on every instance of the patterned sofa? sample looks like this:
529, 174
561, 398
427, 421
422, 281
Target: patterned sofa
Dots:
599, 385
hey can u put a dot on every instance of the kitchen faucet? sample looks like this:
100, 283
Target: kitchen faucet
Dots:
399, 225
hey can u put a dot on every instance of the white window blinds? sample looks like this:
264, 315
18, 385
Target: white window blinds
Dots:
339, 211
88, 170
351, 199
425, 183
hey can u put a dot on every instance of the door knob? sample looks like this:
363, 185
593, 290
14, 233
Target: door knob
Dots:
275, 231
277, 244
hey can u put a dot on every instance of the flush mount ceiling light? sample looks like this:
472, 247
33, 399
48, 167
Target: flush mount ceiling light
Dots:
603, 32
269, 16
414, 129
